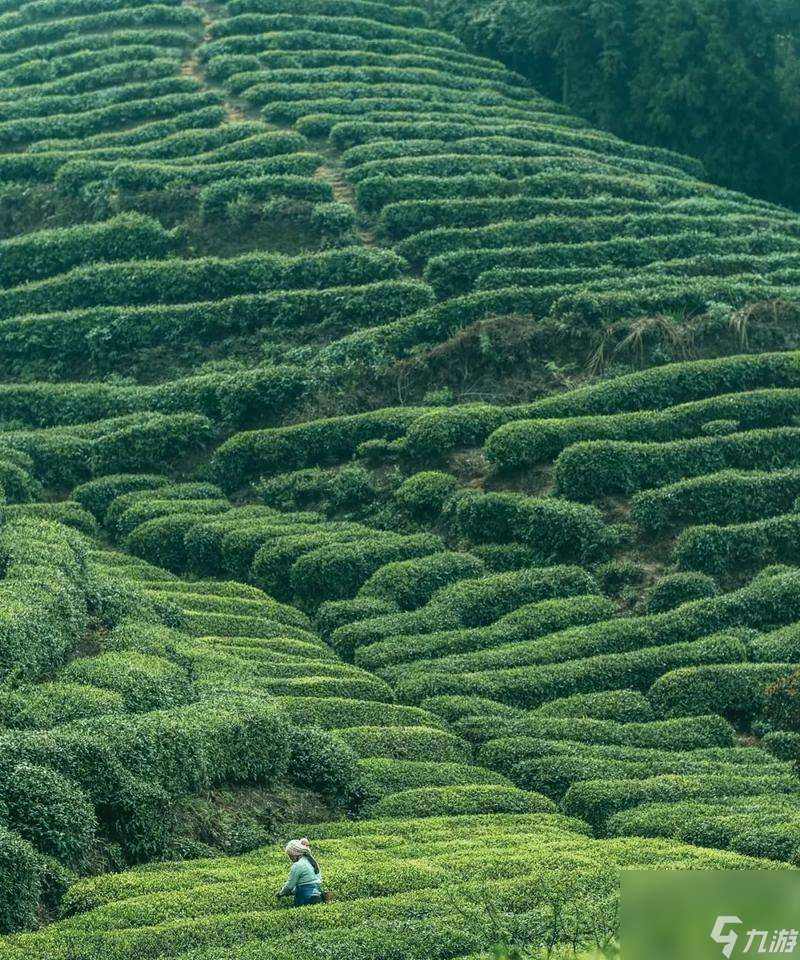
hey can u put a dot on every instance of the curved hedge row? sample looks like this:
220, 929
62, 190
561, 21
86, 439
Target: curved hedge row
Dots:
523, 443
595, 468
730, 496
247, 456
555, 529
596, 801
760, 604
44, 253
531, 686
173, 280
621, 706
470, 603
408, 584
690, 733
717, 549
497, 643
453, 801
735, 689
44, 589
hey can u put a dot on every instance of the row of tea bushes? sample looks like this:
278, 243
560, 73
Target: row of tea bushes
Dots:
761, 825
175, 911
138, 281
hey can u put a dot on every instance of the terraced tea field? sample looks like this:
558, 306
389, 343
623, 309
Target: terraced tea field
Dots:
388, 457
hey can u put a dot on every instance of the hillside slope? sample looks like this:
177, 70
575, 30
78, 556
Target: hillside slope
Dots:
263, 560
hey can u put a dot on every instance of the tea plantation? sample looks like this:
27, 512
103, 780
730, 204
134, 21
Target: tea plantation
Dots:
387, 457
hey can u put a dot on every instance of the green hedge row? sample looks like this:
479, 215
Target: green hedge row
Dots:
68, 512
555, 529
23, 132
454, 273
290, 36
446, 648
404, 16
63, 456
777, 646
406, 218
732, 548
143, 681
40, 706
735, 689
460, 140
31, 98
347, 135
523, 443
762, 603
621, 706
406, 743
148, 175
367, 29
760, 826
690, 733
247, 456
554, 767
675, 589
696, 266
530, 686
382, 776
44, 587
319, 116
155, 15
275, 556
38, 62
72, 65
231, 398
339, 570
380, 346
218, 198
145, 282
196, 117
405, 79
109, 335
570, 179
471, 603
596, 468
576, 229
455, 801
310, 51
664, 295
43, 253
333, 614
596, 801
170, 752
238, 541
408, 584
333, 713
133, 506
730, 496
376, 192
207, 598
27, 108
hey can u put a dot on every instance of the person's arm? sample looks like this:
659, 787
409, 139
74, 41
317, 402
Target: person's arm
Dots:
291, 882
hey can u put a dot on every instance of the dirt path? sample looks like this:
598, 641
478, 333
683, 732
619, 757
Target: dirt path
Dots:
333, 171
238, 111
192, 67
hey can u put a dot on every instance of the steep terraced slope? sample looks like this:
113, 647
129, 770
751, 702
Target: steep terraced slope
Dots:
255, 572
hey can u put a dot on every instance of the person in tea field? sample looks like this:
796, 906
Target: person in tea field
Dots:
304, 882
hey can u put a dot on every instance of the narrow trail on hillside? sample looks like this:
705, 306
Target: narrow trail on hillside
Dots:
331, 170
191, 67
